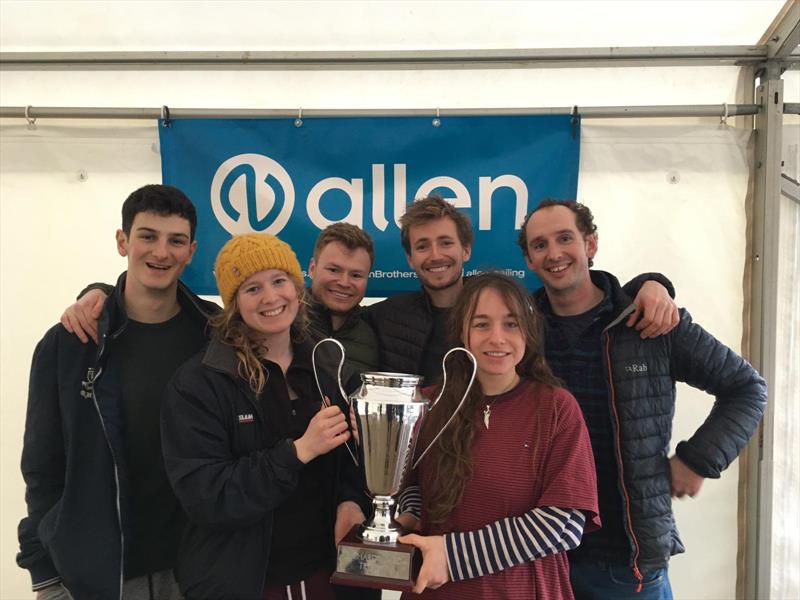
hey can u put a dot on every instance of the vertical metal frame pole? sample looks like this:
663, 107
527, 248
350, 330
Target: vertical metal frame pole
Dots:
766, 218
749, 459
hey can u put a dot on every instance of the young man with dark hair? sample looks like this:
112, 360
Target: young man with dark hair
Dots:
625, 386
339, 271
102, 519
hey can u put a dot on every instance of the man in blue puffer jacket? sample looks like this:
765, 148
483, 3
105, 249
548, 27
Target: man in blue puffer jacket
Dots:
626, 388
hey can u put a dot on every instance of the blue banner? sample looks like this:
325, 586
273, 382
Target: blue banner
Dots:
293, 179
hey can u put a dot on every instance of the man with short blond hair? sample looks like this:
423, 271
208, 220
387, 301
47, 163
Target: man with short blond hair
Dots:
339, 271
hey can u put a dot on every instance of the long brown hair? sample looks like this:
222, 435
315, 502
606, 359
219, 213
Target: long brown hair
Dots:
229, 327
451, 456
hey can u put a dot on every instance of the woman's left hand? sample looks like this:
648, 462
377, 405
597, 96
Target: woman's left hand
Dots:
434, 572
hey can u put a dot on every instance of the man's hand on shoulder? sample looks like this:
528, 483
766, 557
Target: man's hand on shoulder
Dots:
658, 312
685, 482
81, 317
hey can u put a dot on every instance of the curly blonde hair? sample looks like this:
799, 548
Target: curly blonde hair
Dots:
229, 328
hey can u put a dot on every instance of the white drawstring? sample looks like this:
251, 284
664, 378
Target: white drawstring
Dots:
302, 591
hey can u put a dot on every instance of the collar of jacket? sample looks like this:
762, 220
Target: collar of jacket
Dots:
114, 319
620, 301
426, 297
322, 313
221, 356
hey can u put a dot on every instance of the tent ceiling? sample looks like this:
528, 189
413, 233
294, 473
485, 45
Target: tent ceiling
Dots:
138, 25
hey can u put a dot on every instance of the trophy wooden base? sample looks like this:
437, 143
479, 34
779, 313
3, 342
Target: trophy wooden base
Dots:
368, 564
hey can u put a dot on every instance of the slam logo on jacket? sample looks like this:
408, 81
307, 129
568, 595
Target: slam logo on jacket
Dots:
246, 418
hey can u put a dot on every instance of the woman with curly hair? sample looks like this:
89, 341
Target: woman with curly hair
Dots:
509, 486
254, 455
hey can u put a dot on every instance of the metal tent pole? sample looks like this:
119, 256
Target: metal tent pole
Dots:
586, 112
395, 59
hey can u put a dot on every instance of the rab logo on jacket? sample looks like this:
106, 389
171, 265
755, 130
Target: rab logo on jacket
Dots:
246, 418
634, 368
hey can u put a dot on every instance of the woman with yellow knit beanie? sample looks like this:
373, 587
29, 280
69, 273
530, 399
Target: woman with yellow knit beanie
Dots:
253, 455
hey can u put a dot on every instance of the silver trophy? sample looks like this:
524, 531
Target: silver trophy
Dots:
389, 407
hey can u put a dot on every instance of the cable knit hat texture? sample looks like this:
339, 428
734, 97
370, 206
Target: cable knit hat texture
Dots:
250, 253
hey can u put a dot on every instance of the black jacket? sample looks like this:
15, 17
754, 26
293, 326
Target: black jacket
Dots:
641, 376
230, 473
403, 325
72, 458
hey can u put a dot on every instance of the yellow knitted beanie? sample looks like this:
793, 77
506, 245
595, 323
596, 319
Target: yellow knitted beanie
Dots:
250, 253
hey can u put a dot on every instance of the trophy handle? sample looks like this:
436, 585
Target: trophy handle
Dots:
439, 397
347, 400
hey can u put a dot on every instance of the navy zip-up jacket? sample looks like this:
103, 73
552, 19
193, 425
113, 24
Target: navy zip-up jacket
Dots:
72, 458
640, 377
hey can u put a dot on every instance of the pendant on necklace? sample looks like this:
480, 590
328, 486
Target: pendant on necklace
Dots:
487, 412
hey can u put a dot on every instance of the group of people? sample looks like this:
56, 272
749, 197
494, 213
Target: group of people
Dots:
175, 449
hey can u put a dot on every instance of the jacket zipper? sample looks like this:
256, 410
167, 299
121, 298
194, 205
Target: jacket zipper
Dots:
91, 378
617, 449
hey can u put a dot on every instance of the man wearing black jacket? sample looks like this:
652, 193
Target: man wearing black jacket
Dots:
625, 386
102, 519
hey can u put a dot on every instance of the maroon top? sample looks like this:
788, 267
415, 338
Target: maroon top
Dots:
535, 453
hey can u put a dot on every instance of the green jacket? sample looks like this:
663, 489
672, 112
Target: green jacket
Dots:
358, 338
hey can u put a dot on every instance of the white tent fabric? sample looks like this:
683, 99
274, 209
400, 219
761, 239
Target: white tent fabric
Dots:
667, 198
786, 467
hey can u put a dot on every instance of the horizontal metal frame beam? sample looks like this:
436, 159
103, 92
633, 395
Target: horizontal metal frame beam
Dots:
590, 112
392, 59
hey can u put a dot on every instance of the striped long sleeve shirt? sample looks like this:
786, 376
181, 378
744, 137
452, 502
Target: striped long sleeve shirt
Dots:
507, 542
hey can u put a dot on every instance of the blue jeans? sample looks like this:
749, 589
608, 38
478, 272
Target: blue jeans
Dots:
604, 581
